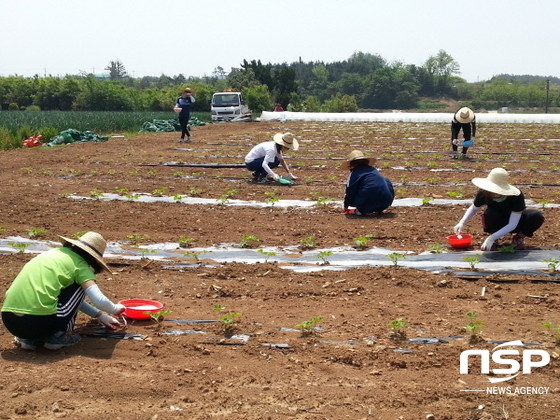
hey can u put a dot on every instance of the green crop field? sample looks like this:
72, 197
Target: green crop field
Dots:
98, 122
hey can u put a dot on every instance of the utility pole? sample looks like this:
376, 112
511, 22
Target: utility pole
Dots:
547, 89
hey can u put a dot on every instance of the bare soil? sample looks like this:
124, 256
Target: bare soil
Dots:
347, 369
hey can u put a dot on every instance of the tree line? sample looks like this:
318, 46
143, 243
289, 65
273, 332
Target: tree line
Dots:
362, 82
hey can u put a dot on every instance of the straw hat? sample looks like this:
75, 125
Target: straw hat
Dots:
186, 90
464, 115
497, 182
287, 140
354, 155
92, 243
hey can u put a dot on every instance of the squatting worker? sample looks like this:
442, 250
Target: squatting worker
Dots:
505, 211
464, 119
42, 302
184, 102
366, 189
264, 157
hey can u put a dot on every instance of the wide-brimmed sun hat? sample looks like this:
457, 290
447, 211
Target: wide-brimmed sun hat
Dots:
465, 115
92, 243
497, 182
353, 156
186, 90
287, 140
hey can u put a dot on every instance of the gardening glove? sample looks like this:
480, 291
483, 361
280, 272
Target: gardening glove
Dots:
108, 321
487, 244
276, 177
120, 309
455, 142
458, 228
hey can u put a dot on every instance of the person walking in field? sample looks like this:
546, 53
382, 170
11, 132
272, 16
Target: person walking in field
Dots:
264, 157
505, 212
464, 119
184, 102
41, 304
366, 189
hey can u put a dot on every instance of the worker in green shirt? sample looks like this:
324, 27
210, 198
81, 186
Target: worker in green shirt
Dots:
43, 301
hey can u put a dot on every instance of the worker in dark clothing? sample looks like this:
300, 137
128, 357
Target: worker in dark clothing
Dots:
184, 102
465, 120
366, 189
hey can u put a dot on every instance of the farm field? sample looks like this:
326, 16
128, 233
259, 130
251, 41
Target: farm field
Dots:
352, 367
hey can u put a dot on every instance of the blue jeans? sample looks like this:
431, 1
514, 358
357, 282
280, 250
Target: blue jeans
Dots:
256, 166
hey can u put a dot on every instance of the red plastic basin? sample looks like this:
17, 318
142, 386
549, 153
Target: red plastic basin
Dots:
463, 242
137, 308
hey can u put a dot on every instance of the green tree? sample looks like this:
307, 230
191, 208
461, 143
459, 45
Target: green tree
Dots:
440, 68
116, 70
258, 98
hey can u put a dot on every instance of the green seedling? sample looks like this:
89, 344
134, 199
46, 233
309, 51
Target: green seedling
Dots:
552, 264
324, 201
195, 192
229, 320
266, 254
271, 198
185, 242
248, 241
309, 327
323, 256
454, 194
473, 261
157, 317
132, 197
36, 232
121, 191
195, 255
543, 203
427, 200
474, 326
510, 249
395, 257
397, 328
20, 246
177, 197
308, 243
159, 191
144, 252
555, 331
224, 198
79, 234
436, 248
177, 174
95, 193
135, 238
2, 229
363, 241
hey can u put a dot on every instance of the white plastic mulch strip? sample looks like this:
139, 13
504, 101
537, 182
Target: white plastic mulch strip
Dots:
406, 117
400, 202
338, 258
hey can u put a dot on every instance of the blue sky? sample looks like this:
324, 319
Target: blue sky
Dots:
486, 37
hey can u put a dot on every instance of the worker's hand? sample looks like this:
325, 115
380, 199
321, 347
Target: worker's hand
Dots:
455, 142
276, 177
108, 321
487, 244
292, 176
458, 228
120, 309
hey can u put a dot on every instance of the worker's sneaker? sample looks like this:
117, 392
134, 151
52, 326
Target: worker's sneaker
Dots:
518, 242
181, 140
27, 343
353, 213
62, 339
264, 180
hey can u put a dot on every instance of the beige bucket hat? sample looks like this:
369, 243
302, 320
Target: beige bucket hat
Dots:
354, 155
92, 243
497, 182
287, 140
465, 115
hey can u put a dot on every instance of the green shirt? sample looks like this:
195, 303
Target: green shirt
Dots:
36, 289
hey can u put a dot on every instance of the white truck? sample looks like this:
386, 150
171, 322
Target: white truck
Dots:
227, 106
